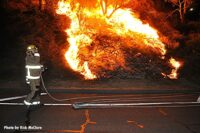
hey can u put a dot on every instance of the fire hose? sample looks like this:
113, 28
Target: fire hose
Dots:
95, 103
56, 99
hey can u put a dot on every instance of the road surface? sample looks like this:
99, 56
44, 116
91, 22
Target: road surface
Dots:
62, 117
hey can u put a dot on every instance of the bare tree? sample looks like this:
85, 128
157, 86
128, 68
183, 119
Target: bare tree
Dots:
115, 3
80, 5
181, 5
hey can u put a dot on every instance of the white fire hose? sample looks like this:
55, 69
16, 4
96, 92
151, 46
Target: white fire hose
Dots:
56, 99
112, 105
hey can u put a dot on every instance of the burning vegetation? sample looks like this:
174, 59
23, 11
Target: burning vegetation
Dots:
105, 37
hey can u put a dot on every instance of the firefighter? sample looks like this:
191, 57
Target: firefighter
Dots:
33, 73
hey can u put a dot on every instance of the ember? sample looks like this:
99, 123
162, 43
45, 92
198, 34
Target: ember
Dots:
99, 34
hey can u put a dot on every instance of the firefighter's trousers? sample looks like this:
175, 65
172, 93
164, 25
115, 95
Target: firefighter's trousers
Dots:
34, 95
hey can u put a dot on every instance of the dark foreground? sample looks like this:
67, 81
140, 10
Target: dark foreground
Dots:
63, 118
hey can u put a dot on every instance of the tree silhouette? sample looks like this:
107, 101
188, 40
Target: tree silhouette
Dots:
181, 7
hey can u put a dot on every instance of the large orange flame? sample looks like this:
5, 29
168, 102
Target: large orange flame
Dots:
86, 22
76, 40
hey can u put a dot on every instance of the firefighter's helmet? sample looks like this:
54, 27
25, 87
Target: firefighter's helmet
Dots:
32, 48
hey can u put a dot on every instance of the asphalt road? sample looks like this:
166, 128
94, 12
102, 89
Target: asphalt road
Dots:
135, 119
